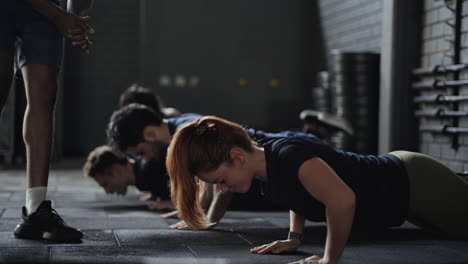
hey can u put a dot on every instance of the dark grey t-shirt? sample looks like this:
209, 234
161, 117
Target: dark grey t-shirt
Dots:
177, 122
380, 183
257, 135
152, 175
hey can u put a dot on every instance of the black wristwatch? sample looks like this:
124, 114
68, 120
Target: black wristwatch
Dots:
295, 235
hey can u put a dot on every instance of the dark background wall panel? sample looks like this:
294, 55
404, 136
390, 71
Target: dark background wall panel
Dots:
192, 38
220, 42
352, 25
92, 83
224, 42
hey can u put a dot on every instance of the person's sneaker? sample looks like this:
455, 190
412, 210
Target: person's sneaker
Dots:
333, 121
46, 224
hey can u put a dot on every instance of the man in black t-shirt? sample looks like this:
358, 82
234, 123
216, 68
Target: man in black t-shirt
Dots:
114, 173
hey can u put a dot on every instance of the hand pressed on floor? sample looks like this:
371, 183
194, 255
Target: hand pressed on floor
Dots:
277, 246
180, 225
174, 215
160, 205
144, 196
184, 226
312, 260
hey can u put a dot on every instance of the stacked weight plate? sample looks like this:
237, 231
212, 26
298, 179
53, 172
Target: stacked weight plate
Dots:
354, 86
343, 141
321, 93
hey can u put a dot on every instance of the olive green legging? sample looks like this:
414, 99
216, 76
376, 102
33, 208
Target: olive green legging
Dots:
438, 197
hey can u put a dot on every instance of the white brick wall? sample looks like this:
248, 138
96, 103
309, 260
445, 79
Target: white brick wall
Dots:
436, 50
356, 25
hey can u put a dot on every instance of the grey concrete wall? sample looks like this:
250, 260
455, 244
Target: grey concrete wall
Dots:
436, 51
352, 25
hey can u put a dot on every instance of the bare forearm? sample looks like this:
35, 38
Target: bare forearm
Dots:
79, 7
296, 222
206, 195
219, 206
47, 8
339, 223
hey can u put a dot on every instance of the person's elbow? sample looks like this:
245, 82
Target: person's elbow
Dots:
349, 201
342, 203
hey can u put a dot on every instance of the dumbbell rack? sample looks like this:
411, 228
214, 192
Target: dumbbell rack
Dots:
448, 93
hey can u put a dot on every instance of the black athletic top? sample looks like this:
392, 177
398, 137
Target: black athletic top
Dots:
151, 176
253, 199
380, 183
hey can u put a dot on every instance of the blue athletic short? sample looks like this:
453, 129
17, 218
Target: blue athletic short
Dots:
28, 35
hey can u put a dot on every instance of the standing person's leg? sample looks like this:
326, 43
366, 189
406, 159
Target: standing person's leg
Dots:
438, 196
41, 90
39, 54
40, 221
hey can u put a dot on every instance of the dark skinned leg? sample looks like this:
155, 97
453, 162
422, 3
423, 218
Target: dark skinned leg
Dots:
41, 92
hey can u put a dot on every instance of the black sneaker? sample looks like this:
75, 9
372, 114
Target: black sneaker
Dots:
46, 224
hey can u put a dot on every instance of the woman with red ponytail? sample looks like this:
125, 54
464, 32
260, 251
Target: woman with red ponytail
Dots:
315, 182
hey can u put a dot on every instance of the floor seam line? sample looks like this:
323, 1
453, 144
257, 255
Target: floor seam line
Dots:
191, 250
116, 238
245, 239
49, 255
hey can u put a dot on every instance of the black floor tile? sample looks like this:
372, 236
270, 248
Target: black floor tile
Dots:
404, 254
228, 223
5, 195
312, 235
189, 237
90, 238
63, 212
240, 254
16, 205
8, 224
258, 237
122, 254
117, 223
24, 255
